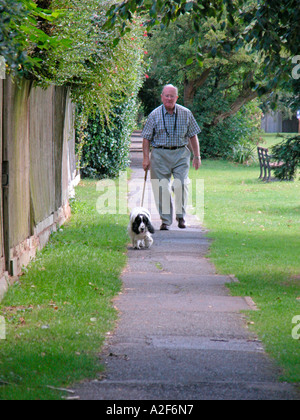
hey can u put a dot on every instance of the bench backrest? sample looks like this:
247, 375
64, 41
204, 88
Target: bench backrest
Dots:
263, 155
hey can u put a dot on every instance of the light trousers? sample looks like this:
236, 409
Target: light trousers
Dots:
165, 164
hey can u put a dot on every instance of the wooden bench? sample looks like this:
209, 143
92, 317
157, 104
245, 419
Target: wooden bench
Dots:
266, 164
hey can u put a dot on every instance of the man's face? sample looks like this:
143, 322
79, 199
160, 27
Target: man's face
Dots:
169, 98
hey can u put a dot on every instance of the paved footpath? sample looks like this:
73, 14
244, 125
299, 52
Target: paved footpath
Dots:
180, 335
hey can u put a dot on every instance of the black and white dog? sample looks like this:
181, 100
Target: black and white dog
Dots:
140, 228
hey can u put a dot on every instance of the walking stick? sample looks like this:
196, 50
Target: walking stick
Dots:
145, 181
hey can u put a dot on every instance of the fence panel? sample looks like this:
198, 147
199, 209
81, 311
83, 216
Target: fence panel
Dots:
42, 185
38, 149
59, 111
16, 152
2, 260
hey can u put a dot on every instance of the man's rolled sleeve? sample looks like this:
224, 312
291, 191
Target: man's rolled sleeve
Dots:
194, 128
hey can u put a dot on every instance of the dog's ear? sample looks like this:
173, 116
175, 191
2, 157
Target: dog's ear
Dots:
136, 224
149, 226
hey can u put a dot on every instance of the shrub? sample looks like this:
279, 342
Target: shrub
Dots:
233, 138
287, 152
105, 149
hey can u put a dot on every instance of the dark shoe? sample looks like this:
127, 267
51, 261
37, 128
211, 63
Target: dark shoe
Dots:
181, 223
164, 227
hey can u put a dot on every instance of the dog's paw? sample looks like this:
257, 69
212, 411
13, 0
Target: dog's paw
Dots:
139, 245
148, 242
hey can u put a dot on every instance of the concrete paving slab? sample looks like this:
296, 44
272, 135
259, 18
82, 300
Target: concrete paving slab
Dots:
179, 323
161, 263
189, 366
169, 283
182, 303
207, 343
199, 391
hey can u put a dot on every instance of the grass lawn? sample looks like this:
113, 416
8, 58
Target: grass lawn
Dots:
271, 139
59, 313
256, 232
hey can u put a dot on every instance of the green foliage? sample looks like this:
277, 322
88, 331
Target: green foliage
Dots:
164, 12
65, 44
218, 92
105, 149
22, 41
234, 138
105, 77
271, 28
10, 49
97, 69
287, 152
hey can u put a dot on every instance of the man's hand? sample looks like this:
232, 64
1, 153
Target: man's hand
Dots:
146, 164
194, 142
197, 163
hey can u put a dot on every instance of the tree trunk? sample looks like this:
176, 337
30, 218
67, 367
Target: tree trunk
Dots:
243, 99
190, 87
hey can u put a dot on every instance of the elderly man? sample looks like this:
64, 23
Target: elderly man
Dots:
170, 129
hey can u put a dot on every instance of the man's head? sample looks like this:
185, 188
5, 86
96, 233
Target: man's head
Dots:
169, 97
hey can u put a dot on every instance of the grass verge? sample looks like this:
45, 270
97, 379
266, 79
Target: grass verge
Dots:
58, 314
256, 232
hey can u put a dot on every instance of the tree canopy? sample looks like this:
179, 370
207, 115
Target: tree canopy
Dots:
271, 28
20, 35
99, 70
175, 58
63, 42
217, 91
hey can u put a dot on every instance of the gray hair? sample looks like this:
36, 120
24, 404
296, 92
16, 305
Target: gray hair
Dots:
171, 86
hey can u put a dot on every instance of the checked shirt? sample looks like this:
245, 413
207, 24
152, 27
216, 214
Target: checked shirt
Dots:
164, 129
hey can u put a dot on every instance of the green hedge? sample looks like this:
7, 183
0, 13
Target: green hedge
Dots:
105, 150
287, 152
234, 138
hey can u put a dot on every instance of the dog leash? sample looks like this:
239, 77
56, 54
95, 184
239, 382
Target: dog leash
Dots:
145, 181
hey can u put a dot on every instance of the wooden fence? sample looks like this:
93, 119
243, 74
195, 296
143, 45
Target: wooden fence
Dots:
273, 122
38, 170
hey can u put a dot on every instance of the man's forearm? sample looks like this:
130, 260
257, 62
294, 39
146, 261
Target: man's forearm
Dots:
194, 142
195, 145
146, 153
146, 149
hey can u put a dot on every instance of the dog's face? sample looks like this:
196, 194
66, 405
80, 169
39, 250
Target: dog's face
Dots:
140, 228
140, 224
